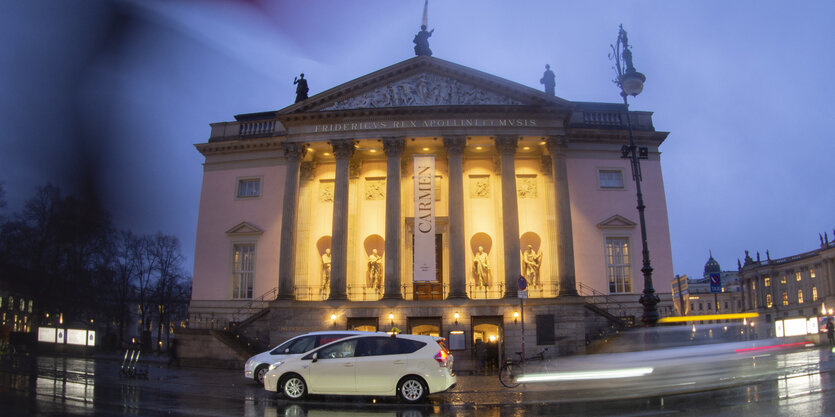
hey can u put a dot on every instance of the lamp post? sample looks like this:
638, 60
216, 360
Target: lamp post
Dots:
631, 83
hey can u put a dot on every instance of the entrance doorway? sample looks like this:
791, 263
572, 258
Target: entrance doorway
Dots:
432, 290
488, 342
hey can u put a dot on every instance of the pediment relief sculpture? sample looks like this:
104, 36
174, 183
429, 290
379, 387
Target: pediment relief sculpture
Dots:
423, 90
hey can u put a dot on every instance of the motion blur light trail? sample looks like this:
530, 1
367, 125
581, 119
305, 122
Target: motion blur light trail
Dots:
577, 376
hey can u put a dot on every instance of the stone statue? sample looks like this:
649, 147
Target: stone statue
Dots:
532, 261
326, 268
421, 41
301, 88
548, 78
481, 267
375, 263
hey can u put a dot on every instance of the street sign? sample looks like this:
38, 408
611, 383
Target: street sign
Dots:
523, 283
715, 283
522, 294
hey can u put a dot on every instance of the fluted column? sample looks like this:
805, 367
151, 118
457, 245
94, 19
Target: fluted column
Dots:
293, 152
510, 214
342, 151
393, 147
457, 246
565, 237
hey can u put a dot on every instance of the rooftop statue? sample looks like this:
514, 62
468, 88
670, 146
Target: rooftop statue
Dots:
301, 88
422, 42
548, 79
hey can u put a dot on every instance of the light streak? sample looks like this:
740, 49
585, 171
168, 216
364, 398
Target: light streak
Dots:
679, 319
585, 375
787, 345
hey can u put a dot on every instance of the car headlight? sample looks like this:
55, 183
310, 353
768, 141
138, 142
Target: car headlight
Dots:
275, 365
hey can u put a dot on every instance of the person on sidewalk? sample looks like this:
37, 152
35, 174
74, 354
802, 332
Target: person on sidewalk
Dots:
830, 332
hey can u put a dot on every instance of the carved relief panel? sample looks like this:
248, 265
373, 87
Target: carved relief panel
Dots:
375, 188
526, 186
326, 191
479, 186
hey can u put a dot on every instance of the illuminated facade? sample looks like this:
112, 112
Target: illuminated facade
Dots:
415, 197
797, 286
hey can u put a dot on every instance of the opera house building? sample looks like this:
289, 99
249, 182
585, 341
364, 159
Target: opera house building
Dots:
431, 198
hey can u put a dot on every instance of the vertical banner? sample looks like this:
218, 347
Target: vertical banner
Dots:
424, 253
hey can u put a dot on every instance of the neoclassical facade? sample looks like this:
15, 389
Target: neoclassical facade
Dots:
801, 285
415, 197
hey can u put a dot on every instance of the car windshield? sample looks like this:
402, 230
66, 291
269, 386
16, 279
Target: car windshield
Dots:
295, 346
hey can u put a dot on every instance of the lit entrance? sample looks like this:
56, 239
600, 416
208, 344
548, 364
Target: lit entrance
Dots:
432, 290
487, 342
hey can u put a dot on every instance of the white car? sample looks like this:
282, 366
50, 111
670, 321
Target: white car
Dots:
257, 366
409, 366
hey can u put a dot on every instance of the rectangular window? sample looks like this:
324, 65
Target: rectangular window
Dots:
768, 302
797, 276
243, 270
611, 178
754, 285
785, 298
814, 293
249, 187
618, 269
800, 296
812, 273
545, 329
783, 279
767, 281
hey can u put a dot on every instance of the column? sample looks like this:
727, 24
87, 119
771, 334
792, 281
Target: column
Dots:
457, 242
393, 147
510, 214
293, 153
557, 146
342, 151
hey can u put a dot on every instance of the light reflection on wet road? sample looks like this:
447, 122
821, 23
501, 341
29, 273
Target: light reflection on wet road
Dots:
798, 384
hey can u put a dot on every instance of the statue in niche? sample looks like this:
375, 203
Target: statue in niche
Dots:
301, 88
481, 267
532, 262
375, 263
548, 78
326, 268
421, 41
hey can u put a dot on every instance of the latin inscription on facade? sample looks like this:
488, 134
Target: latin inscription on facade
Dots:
413, 124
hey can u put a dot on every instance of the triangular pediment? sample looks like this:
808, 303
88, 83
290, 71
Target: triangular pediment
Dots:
616, 222
244, 229
425, 81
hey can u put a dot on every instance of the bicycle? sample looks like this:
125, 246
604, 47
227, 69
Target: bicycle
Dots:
511, 370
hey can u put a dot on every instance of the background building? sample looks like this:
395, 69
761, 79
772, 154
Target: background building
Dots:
792, 287
695, 297
415, 197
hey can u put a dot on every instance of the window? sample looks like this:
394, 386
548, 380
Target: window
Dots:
754, 285
249, 187
768, 302
812, 273
726, 305
692, 307
797, 276
783, 279
344, 349
701, 306
814, 293
618, 268
243, 270
785, 298
295, 346
800, 296
545, 329
767, 281
611, 178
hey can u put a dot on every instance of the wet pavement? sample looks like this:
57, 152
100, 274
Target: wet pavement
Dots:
800, 383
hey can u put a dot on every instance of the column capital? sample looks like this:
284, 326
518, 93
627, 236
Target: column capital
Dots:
342, 149
394, 145
557, 144
506, 144
294, 150
455, 144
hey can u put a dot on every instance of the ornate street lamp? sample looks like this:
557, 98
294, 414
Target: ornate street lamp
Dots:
631, 83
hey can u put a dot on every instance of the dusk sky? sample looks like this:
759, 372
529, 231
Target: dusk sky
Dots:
111, 96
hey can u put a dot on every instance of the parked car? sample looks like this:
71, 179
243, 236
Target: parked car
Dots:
408, 366
257, 366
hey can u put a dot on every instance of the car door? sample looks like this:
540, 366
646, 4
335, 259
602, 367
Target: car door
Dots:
379, 365
333, 370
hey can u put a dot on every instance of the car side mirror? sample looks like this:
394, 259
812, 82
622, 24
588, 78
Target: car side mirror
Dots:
315, 356
287, 350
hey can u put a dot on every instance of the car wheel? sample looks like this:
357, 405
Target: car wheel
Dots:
259, 374
293, 387
411, 389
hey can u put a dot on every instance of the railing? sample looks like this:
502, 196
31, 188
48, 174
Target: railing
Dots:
600, 298
602, 118
257, 128
311, 292
251, 309
485, 292
363, 293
